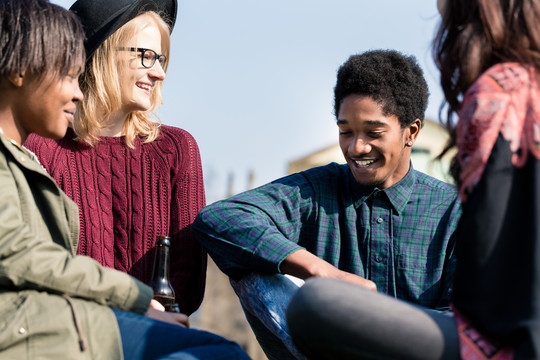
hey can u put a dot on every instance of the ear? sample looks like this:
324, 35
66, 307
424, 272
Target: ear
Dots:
16, 78
412, 131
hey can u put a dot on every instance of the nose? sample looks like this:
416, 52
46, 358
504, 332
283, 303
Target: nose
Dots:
359, 146
156, 72
77, 94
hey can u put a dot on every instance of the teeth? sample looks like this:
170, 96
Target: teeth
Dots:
145, 86
364, 163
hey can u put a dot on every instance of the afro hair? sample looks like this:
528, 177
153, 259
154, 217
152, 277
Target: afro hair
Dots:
393, 80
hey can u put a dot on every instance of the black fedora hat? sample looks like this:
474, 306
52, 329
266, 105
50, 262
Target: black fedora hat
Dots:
101, 18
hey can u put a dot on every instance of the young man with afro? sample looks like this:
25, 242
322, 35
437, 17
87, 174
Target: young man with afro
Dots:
374, 221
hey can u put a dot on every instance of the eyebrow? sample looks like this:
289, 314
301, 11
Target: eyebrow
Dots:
367, 122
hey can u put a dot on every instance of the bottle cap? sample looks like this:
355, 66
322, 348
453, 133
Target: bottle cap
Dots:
163, 240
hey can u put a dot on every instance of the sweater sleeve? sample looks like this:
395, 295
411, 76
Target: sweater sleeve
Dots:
188, 257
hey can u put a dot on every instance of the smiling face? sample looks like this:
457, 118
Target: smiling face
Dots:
136, 81
47, 106
374, 144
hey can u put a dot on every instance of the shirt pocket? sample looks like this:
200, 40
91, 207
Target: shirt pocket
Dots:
418, 279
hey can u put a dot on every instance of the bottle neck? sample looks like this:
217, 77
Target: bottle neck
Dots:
161, 259
162, 262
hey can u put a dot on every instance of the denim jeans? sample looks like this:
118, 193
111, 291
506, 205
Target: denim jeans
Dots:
264, 299
145, 338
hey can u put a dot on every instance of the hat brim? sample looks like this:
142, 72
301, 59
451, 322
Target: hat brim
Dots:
97, 30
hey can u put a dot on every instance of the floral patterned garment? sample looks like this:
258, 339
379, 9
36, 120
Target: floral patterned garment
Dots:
497, 280
503, 100
474, 345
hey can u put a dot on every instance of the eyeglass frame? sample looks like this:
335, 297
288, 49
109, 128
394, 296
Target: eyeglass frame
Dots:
143, 51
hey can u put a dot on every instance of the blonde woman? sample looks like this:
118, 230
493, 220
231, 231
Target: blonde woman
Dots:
55, 304
132, 178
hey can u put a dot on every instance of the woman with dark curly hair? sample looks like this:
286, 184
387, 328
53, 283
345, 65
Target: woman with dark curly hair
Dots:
488, 52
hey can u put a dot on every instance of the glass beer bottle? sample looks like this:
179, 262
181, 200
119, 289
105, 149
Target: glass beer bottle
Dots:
163, 291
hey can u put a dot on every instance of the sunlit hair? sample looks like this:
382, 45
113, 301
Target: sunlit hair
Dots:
100, 85
475, 35
39, 38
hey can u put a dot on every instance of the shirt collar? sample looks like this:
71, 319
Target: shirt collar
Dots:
398, 194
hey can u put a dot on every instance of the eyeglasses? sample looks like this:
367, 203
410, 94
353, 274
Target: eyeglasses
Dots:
148, 56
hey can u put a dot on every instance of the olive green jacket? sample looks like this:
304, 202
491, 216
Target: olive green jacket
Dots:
53, 304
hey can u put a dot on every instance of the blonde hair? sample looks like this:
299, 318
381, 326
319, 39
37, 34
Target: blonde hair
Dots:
100, 85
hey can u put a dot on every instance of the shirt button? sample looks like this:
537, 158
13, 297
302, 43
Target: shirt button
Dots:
23, 158
378, 258
380, 220
22, 331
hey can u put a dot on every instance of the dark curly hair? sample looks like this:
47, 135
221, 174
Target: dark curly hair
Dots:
393, 80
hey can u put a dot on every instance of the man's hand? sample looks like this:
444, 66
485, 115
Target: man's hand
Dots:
304, 264
352, 278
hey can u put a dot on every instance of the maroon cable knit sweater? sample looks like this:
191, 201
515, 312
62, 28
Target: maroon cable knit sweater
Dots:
128, 197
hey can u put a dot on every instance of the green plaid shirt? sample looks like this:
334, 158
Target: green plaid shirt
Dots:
400, 237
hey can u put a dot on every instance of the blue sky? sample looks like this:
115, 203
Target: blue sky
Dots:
253, 80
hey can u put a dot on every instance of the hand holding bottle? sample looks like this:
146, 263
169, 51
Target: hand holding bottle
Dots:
154, 304
169, 317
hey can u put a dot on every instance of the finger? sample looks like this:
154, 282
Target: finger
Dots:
154, 304
181, 318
